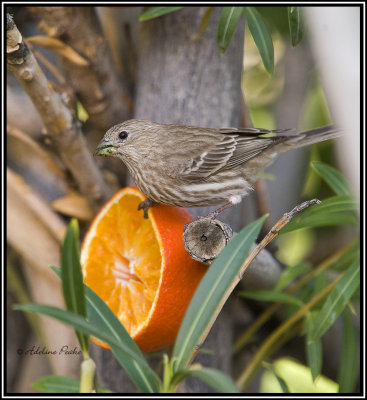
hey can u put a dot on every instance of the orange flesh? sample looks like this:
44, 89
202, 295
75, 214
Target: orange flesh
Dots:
125, 254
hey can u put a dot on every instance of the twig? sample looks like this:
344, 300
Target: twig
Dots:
97, 86
48, 64
286, 218
62, 129
274, 231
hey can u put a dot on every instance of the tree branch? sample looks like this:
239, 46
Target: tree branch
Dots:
97, 85
63, 130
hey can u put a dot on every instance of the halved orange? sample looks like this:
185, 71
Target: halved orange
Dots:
140, 268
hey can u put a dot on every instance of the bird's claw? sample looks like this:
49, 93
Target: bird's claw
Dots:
144, 205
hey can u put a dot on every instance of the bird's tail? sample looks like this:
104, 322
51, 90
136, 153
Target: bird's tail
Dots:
284, 143
312, 136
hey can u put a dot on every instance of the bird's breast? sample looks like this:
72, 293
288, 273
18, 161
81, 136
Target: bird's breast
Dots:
162, 188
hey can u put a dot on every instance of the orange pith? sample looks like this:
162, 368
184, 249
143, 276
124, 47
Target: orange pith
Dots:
140, 268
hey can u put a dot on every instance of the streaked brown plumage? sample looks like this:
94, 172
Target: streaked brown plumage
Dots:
188, 166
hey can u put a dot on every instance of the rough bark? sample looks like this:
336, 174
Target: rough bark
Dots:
183, 79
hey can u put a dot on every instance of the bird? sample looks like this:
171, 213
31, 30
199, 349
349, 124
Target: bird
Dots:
189, 166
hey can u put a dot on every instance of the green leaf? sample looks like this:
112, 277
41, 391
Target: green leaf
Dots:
211, 290
332, 205
72, 279
313, 349
261, 37
271, 295
60, 384
290, 274
304, 294
205, 21
212, 377
349, 363
332, 177
154, 12
328, 213
227, 25
81, 112
282, 383
298, 379
295, 25
336, 301
348, 258
321, 281
56, 384
101, 316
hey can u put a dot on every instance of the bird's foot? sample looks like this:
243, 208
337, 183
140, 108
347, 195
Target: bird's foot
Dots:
144, 205
219, 210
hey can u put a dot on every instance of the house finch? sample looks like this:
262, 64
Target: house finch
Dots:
187, 166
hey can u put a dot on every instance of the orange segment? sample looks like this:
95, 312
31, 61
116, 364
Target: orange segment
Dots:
140, 268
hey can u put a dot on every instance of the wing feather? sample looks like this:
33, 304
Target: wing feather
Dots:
213, 151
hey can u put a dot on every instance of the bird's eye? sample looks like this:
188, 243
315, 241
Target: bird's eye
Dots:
123, 135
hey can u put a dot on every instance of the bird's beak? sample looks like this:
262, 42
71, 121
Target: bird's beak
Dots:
105, 149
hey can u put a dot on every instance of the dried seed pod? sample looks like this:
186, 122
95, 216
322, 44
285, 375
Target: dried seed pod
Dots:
204, 238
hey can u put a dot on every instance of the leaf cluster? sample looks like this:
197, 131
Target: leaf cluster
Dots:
228, 21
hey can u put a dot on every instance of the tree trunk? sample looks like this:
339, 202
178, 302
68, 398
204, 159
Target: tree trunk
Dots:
183, 79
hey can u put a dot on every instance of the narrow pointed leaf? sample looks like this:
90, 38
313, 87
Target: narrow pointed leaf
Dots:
332, 177
336, 301
102, 317
227, 25
154, 12
295, 25
60, 384
261, 37
138, 369
211, 290
329, 213
212, 377
349, 362
271, 295
205, 21
72, 280
290, 274
56, 384
313, 349
348, 258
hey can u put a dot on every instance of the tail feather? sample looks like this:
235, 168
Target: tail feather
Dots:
312, 136
284, 143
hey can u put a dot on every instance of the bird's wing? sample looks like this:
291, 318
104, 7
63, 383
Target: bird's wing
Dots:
203, 153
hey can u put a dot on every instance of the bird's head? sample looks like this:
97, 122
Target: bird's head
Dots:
124, 138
